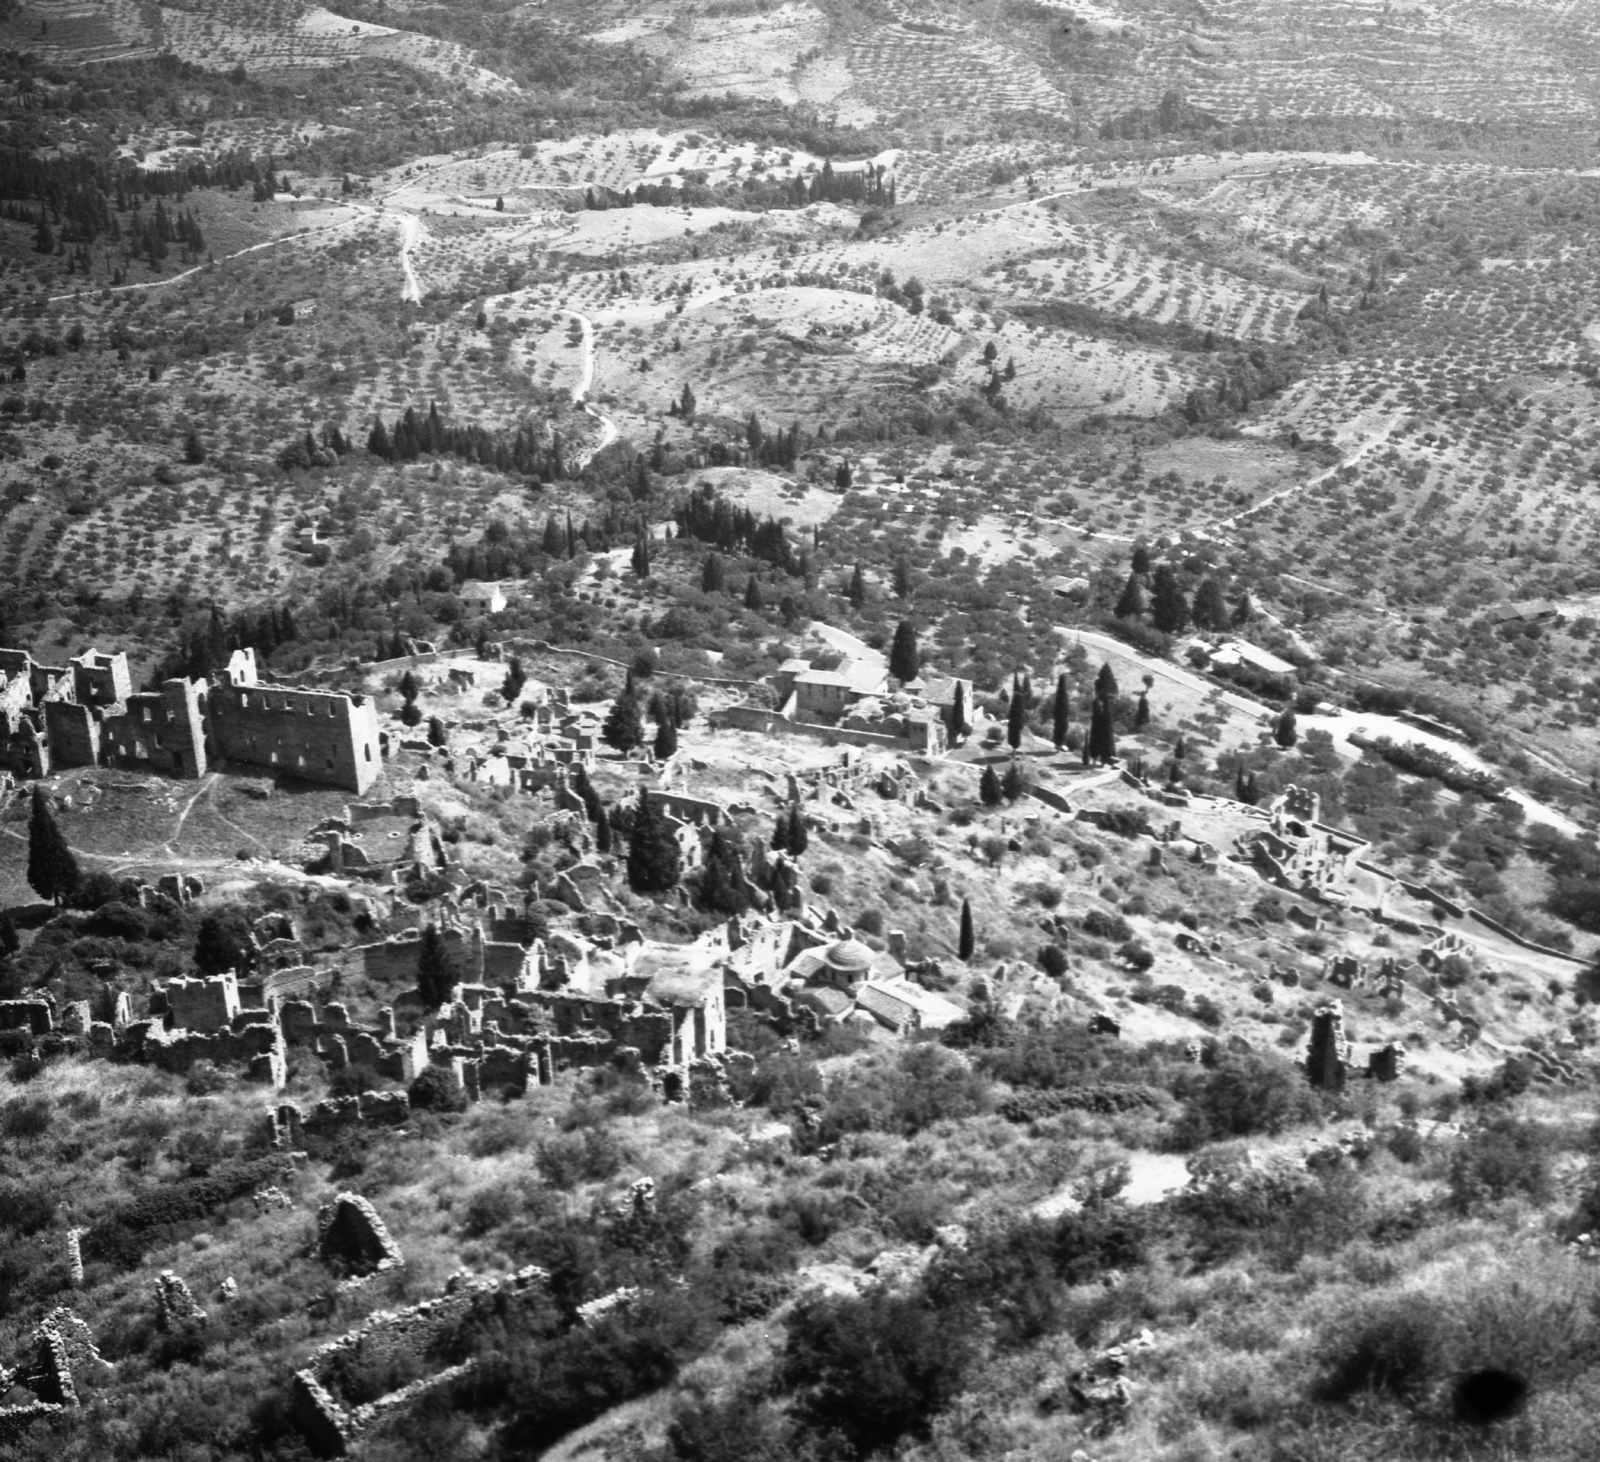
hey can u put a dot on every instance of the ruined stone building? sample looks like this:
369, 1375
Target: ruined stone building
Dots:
1296, 851
87, 714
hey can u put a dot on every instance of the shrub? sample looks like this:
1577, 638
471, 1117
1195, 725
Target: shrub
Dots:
1499, 1159
1113, 928
875, 1369
590, 1156
435, 1090
1394, 1347
1250, 1094
25, 1119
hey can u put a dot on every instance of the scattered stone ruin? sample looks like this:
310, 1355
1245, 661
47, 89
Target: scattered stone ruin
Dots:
1297, 852
331, 1428
175, 1305
59, 1360
350, 1233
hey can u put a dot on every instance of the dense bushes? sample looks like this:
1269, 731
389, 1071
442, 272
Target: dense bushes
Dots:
122, 1237
875, 1369
922, 1085
1250, 1094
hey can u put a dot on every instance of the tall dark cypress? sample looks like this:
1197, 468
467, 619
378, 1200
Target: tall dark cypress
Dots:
968, 942
1058, 732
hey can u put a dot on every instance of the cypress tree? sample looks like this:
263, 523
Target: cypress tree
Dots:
967, 942
1285, 730
958, 712
666, 742
1210, 608
436, 732
654, 862
1105, 685
902, 577
623, 728
799, 834
723, 887
1016, 715
409, 687
989, 792
52, 870
222, 942
857, 592
905, 661
1102, 736
436, 972
1131, 603
1013, 784
1062, 706
516, 678
1141, 558
711, 574
752, 593
780, 831
641, 557
1141, 717
603, 839
1169, 610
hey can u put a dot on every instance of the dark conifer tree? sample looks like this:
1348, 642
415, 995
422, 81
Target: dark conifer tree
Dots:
1169, 609
712, 574
654, 862
1141, 559
752, 594
623, 728
723, 886
437, 736
1210, 608
665, 744
1102, 736
1286, 730
1014, 783
436, 970
1058, 730
857, 592
966, 942
989, 792
1105, 685
799, 833
1131, 604
905, 660
603, 839
1016, 714
52, 870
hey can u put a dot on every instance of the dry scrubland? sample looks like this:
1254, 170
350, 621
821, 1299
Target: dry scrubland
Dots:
1299, 299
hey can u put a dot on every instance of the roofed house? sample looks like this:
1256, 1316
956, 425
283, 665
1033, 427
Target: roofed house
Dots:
1240, 652
482, 596
826, 695
903, 1005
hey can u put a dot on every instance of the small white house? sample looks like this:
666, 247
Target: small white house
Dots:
479, 596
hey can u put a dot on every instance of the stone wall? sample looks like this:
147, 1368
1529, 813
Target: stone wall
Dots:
317, 735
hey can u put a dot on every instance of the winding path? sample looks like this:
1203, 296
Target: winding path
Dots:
608, 428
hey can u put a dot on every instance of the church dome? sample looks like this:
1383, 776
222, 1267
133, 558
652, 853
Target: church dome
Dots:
849, 957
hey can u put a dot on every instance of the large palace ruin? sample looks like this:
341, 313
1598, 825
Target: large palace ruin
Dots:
86, 713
